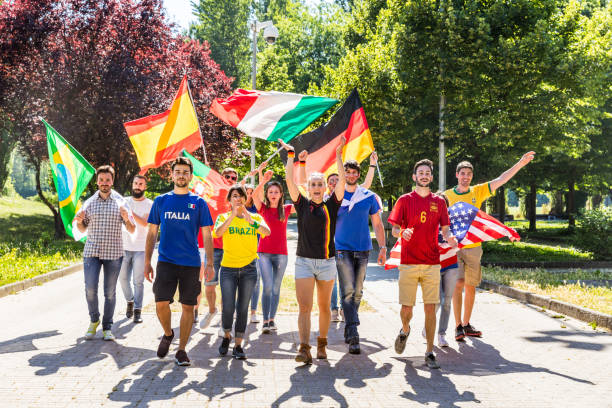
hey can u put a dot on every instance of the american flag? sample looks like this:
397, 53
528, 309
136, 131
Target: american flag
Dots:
469, 225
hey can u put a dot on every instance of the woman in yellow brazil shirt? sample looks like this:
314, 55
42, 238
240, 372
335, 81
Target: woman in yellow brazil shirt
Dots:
239, 229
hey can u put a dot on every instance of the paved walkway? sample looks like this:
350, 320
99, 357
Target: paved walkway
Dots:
527, 358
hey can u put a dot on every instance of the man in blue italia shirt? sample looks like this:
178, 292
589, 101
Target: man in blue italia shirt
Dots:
180, 214
353, 245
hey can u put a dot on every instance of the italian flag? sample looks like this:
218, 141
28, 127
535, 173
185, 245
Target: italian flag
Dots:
270, 115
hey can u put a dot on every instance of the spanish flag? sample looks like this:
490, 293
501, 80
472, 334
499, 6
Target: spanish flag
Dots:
160, 138
348, 121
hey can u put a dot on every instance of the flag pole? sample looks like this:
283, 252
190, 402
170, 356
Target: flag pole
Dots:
274, 154
196, 112
379, 175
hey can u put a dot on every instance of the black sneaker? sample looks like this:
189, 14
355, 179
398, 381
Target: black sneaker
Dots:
400, 341
181, 358
272, 325
354, 346
459, 333
164, 345
430, 360
471, 331
137, 316
224, 345
130, 310
266, 328
238, 353
195, 316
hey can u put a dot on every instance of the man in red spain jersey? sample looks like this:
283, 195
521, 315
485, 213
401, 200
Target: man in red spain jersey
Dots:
416, 218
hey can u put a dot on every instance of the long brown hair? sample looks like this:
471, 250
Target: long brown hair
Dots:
281, 206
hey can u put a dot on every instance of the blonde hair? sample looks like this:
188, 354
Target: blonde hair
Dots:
315, 175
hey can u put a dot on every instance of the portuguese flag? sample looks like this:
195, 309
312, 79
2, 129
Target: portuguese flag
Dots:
270, 115
160, 138
71, 174
348, 121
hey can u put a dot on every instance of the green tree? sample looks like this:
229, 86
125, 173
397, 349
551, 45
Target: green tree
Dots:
223, 24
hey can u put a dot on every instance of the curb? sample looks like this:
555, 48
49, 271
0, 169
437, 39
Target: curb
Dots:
37, 280
577, 312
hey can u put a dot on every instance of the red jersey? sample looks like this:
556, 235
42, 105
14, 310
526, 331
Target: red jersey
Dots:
276, 242
425, 215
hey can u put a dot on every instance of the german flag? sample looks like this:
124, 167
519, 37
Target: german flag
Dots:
348, 121
160, 138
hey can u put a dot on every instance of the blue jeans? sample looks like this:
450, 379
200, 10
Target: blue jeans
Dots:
91, 269
272, 269
132, 267
241, 280
334, 297
352, 267
448, 280
255, 297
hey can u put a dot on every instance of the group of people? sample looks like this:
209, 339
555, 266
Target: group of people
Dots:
250, 240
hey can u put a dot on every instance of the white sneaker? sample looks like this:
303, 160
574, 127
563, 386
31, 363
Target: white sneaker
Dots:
207, 319
108, 335
254, 318
91, 330
335, 316
442, 340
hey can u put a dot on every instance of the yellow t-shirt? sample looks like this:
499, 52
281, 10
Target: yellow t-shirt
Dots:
474, 196
239, 240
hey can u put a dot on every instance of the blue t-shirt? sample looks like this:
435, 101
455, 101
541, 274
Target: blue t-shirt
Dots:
180, 217
352, 227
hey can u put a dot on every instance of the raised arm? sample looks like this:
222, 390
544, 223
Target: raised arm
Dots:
508, 174
367, 183
301, 176
294, 193
258, 193
339, 189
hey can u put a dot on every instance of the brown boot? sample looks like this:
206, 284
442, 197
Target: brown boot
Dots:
321, 343
303, 355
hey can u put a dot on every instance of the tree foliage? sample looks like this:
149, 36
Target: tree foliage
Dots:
89, 66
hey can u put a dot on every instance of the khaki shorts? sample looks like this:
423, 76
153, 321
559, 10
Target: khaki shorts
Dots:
409, 278
469, 265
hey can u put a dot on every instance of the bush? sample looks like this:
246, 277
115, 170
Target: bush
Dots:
594, 232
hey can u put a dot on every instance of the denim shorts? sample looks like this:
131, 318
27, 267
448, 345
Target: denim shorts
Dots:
217, 256
320, 269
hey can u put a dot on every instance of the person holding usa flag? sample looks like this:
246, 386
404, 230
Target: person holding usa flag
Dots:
416, 219
469, 256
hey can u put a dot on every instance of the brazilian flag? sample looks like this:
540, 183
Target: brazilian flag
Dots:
71, 174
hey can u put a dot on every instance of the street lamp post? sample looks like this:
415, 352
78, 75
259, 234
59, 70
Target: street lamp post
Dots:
270, 34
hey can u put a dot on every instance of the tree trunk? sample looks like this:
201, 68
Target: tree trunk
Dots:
557, 204
501, 203
60, 232
6, 148
571, 204
596, 201
531, 205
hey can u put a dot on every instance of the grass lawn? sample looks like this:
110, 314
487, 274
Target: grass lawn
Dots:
27, 246
287, 303
563, 286
506, 251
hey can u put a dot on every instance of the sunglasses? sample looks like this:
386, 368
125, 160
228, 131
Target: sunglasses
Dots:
228, 177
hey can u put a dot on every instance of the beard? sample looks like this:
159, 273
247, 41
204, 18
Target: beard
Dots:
351, 183
418, 183
104, 189
137, 193
181, 183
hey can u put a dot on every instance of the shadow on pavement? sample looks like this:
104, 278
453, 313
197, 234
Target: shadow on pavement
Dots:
564, 336
436, 388
25, 343
481, 359
87, 352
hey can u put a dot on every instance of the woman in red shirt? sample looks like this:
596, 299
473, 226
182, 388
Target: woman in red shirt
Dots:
272, 249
